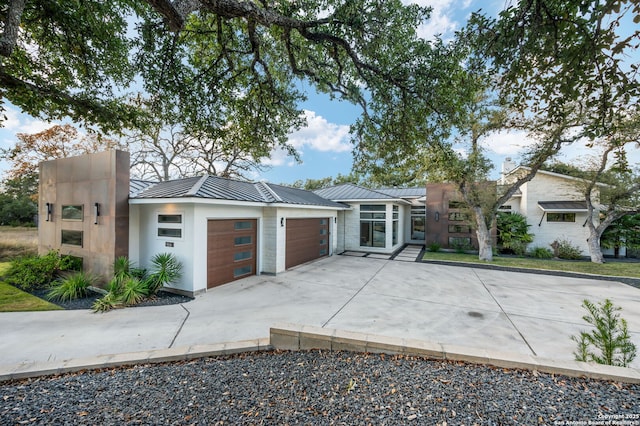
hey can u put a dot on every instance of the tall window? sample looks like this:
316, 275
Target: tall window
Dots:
418, 214
394, 225
373, 225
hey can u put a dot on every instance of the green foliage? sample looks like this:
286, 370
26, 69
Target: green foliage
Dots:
461, 246
34, 272
434, 246
566, 250
541, 253
17, 201
73, 286
131, 285
624, 232
513, 232
106, 303
165, 270
133, 291
609, 343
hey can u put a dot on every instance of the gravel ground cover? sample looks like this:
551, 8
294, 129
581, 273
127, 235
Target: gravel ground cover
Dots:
161, 298
317, 387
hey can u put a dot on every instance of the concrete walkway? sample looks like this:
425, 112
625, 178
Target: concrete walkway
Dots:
522, 313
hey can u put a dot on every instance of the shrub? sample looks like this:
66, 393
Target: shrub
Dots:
460, 246
73, 286
133, 291
610, 338
513, 233
541, 253
106, 303
36, 272
166, 269
566, 250
434, 246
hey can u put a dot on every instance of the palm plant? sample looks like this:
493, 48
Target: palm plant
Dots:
133, 291
166, 269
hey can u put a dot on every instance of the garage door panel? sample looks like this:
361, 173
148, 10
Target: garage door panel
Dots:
307, 239
231, 250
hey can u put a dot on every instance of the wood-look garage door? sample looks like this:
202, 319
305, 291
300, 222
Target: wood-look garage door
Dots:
231, 250
307, 239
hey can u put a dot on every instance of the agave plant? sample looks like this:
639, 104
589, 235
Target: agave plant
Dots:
73, 286
166, 269
106, 303
133, 291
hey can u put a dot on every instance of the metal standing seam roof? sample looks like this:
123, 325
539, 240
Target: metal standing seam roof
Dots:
563, 205
350, 191
217, 188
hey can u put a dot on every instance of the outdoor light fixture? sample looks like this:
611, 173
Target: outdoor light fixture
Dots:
49, 211
282, 221
437, 216
335, 220
96, 211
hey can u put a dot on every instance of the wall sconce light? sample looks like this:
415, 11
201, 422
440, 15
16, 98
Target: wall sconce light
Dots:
282, 221
49, 211
335, 219
437, 216
96, 212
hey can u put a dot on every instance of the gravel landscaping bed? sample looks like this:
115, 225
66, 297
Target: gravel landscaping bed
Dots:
317, 387
161, 298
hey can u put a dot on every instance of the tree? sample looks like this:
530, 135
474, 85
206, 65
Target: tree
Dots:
18, 200
204, 64
554, 70
59, 141
623, 232
313, 184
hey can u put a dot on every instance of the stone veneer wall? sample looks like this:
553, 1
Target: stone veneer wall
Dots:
85, 180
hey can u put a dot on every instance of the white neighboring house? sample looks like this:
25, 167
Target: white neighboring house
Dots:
380, 220
553, 204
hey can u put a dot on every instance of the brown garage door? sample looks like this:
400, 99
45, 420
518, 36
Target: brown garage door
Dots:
307, 239
231, 250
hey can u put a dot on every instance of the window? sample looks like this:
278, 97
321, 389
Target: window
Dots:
239, 241
373, 225
169, 218
243, 270
561, 217
242, 255
72, 212
460, 242
242, 225
418, 214
457, 216
456, 204
170, 225
394, 225
72, 238
505, 207
459, 229
170, 232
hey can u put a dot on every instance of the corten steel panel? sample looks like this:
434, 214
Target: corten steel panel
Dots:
305, 239
222, 247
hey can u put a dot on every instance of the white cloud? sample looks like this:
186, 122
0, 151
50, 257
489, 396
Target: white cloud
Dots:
20, 123
321, 135
507, 143
440, 22
279, 157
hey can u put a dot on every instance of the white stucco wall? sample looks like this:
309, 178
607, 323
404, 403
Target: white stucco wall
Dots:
191, 249
545, 187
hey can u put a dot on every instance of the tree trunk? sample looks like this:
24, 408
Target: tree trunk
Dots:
485, 249
594, 246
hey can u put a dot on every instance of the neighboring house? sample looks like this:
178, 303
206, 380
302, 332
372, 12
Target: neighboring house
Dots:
379, 220
554, 205
219, 229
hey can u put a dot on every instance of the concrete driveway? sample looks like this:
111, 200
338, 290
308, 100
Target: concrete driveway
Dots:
516, 312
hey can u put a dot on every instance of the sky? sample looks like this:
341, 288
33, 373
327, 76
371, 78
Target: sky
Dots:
324, 144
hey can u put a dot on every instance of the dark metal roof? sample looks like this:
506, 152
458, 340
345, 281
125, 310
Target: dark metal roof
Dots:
137, 185
349, 191
565, 205
217, 188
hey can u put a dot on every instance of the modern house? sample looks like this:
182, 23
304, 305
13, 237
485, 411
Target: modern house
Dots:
553, 204
220, 229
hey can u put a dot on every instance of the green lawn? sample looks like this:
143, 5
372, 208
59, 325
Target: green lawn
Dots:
612, 268
15, 300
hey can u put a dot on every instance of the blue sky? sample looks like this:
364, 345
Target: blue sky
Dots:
324, 145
